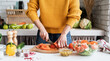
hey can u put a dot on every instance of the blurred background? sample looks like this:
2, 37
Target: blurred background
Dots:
13, 12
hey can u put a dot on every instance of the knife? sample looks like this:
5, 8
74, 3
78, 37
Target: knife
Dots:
49, 41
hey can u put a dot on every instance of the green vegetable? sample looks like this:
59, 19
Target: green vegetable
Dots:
21, 45
18, 27
29, 26
5, 26
24, 26
76, 25
0, 37
89, 26
85, 53
85, 24
12, 26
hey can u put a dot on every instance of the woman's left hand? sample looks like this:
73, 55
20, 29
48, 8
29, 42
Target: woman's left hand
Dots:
62, 41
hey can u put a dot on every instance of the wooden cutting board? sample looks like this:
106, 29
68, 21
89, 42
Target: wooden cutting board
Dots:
44, 51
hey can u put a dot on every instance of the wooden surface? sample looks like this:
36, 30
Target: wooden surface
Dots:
44, 51
16, 16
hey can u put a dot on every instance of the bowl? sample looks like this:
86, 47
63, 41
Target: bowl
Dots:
65, 52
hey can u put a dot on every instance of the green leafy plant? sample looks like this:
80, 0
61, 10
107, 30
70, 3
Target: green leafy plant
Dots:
0, 37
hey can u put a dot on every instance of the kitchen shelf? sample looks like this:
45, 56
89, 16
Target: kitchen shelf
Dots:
74, 32
16, 10
83, 32
16, 16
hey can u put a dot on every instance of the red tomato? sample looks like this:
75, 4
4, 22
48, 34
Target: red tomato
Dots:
93, 42
52, 46
84, 41
71, 46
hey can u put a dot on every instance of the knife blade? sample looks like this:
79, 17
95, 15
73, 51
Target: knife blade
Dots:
49, 41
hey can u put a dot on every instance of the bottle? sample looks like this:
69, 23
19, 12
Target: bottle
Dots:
10, 36
21, 5
15, 41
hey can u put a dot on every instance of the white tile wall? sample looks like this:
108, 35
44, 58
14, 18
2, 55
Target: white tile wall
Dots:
81, 3
6, 3
101, 16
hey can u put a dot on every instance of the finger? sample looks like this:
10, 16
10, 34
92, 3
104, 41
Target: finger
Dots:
66, 43
59, 43
47, 37
43, 36
63, 43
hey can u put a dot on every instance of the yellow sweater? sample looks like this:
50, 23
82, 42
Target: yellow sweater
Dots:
54, 14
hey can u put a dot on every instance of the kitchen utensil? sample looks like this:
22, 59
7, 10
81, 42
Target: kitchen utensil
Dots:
49, 41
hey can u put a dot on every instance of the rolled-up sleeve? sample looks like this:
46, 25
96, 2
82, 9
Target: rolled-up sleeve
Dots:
31, 12
74, 12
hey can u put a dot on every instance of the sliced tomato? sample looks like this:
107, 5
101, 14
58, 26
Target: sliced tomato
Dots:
84, 41
84, 46
82, 49
56, 44
93, 42
77, 48
45, 47
52, 46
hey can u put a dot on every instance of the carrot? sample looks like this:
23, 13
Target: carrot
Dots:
22, 23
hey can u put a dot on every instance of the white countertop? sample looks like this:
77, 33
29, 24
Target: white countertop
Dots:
74, 32
97, 56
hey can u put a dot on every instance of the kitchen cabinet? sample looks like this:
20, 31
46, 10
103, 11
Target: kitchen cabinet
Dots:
29, 35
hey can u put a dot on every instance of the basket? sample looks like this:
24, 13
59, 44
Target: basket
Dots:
16, 16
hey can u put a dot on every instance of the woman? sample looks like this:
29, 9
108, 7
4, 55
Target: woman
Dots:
57, 17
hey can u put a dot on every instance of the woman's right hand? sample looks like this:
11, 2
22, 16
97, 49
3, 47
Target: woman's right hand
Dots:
44, 35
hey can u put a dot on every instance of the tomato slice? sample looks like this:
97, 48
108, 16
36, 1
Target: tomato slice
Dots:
43, 46
52, 46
